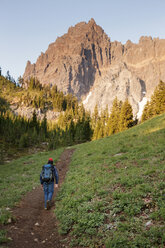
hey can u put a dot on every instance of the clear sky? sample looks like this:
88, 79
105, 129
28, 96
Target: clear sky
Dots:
29, 26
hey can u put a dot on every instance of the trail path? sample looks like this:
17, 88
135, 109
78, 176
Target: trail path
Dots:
34, 226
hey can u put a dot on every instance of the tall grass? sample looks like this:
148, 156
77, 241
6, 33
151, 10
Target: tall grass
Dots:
114, 193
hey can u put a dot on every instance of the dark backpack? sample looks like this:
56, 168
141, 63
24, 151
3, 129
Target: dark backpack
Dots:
47, 173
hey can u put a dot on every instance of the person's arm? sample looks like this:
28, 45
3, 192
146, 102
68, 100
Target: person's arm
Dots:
56, 176
41, 181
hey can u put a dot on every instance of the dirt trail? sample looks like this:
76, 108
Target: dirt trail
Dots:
34, 226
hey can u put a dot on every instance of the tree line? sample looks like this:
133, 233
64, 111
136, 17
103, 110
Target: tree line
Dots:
156, 105
21, 132
72, 127
45, 97
75, 124
119, 119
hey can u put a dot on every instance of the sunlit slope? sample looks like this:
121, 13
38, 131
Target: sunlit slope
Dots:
114, 193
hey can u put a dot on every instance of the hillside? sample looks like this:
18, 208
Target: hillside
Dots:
28, 118
87, 64
44, 118
113, 194
23, 101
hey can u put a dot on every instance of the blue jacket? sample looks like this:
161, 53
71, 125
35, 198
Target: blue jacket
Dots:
55, 173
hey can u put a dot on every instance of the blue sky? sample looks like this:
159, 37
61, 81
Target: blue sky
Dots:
29, 26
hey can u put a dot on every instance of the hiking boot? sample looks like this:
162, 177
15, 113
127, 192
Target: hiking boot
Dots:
48, 205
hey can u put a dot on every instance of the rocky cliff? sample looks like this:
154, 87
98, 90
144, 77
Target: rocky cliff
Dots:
86, 63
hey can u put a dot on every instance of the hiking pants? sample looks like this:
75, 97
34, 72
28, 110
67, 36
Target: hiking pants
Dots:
48, 191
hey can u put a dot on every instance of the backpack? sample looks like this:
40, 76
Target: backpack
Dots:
47, 173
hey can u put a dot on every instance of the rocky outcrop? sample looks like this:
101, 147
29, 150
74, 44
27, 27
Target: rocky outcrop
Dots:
115, 81
74, 60
27, 112
86, 63
147, 61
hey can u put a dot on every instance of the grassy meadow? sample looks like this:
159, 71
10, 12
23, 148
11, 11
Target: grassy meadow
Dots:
114, 193
17, 178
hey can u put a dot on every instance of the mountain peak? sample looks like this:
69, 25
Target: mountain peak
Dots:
92, 21
85, 63
74, 59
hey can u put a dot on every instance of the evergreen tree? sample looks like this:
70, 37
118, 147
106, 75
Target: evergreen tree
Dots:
78, 131
70, 133
34, 122
104, 122
158, 99
147, 112
8, 77
98, 131
113, 122
106, 115
24, 141
95, 117
87, 129
157, 104
76, 110
126, 116
44, 126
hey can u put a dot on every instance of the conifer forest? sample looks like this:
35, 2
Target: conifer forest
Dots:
74, 124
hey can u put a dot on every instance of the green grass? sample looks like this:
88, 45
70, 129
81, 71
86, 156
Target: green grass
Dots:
3, 236
114, 192
17, 178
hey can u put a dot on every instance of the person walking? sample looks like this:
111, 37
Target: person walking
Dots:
49, 179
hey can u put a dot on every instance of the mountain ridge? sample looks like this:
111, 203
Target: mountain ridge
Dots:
87, 64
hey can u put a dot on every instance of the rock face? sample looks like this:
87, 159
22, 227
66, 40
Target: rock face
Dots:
86, 63
74, 60
28, 112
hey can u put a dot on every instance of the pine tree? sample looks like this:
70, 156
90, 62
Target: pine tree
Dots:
8, 77
34, 124
81, 112
78, 131
44, 126
113, 122
147, 112
87, 129
76, 110
70, 132
24, 141
104, 122
106, 114
157, 104
158, 99
126, 116
98, 132
95, 116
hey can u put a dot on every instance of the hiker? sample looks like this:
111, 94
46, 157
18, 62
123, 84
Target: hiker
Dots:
48, 176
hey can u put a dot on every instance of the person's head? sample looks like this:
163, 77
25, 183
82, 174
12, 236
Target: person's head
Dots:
50, 161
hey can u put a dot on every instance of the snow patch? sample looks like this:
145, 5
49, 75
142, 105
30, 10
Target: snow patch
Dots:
87, 98
141, 107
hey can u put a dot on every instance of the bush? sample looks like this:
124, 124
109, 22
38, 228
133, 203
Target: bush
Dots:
24, 141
